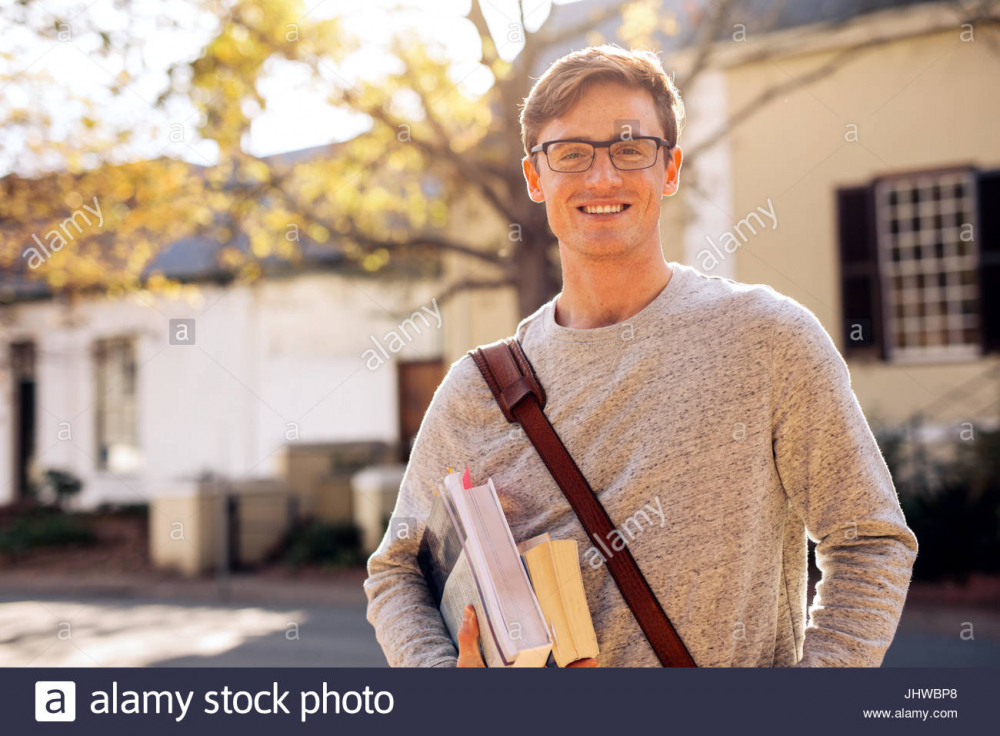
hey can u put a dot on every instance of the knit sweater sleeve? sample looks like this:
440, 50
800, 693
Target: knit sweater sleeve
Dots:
837, 482
408, 625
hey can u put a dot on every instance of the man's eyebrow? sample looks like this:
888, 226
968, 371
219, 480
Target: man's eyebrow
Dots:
582, 138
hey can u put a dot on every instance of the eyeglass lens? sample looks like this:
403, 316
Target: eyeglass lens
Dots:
625, 155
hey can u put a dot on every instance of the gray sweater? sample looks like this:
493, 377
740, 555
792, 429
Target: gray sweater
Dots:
718, 428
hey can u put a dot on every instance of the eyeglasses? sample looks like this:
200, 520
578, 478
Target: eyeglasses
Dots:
575, 155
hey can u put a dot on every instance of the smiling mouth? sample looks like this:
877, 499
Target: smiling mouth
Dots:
608, 209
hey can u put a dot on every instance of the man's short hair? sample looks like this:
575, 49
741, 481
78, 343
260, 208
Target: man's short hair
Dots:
563, 83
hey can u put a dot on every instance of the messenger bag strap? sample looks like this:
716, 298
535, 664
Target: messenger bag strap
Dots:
522, 398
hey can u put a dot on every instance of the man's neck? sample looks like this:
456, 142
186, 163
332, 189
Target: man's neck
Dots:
602, 294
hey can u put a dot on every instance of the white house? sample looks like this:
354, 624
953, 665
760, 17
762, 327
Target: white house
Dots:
135, 393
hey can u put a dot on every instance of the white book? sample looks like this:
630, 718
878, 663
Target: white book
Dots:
468, 555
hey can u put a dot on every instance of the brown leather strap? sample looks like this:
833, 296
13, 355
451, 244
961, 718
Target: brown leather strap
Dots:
522, 398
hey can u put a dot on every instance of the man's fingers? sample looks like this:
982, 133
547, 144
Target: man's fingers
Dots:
468, 644
468, 640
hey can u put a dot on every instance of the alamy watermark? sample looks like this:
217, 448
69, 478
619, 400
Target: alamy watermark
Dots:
395, 341
709, 259
58, 237
620, 537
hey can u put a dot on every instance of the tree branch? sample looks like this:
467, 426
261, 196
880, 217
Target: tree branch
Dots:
472, 284
420, 240
479, 21
355, 233
464, 168
545, 40
706, 42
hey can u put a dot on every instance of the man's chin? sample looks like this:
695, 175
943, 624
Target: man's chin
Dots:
601, 244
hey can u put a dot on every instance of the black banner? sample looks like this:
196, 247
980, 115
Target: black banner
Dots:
383, 701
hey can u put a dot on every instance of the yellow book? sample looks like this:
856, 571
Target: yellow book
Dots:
554, 568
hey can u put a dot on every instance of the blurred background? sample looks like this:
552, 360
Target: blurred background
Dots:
242, 241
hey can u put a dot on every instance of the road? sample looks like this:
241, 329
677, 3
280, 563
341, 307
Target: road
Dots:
189, 627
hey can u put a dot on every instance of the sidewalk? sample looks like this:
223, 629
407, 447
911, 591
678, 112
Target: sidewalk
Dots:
336, 588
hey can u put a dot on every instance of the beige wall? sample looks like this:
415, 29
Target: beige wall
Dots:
924, 102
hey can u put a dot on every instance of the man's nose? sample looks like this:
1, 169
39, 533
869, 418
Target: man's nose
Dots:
602, 172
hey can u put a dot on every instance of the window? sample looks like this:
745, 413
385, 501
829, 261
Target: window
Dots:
928, 262
116, 417
920, 265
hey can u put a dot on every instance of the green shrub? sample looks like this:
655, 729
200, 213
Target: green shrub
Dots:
43, 528
958, 525
331, 544
137, 510
57, 485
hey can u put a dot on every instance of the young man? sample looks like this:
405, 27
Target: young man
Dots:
715, 421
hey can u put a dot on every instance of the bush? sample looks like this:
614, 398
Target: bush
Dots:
958, 531
55, 487
43, 528
958, 526
330, 544
131, 510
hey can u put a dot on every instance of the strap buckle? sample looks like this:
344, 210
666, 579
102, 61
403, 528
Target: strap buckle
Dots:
509, 375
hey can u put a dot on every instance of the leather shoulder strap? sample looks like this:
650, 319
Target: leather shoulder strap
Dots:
521, 398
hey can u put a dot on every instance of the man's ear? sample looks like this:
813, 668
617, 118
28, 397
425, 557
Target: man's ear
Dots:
531, 178
672, 181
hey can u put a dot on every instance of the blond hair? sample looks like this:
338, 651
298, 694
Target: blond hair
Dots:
560, 88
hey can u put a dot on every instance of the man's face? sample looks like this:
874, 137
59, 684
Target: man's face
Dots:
594, 117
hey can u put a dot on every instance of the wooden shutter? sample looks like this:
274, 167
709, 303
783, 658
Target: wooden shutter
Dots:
988, 197
860, 284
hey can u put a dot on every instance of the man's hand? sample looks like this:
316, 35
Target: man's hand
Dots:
468, 644
468, 640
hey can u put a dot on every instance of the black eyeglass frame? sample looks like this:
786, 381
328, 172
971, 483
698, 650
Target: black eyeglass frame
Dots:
543, 148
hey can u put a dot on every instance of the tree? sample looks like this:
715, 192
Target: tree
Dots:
382, 197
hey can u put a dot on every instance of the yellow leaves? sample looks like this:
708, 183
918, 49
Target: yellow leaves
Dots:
156, 281
376, 260
639, 22
318, 233
379, 198
260, 245
249, 272
230, 258
239, 32
501, 69
438, 212
256, 170
225, 49
200, 215
428, 82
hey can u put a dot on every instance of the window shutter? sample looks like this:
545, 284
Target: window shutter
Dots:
860, 285
988, 235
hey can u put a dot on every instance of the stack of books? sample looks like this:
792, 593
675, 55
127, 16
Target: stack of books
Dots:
529, 597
